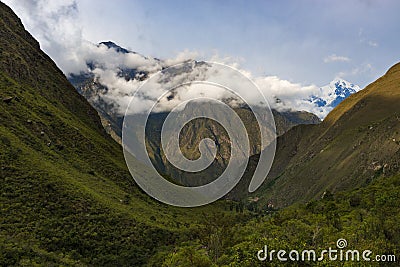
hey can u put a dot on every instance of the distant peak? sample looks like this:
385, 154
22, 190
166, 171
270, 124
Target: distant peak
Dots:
344, 84
334, 93
112, 45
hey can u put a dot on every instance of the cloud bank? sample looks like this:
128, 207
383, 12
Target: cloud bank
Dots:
56, 25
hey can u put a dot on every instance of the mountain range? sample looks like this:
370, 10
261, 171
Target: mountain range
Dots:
91, 87
67, 197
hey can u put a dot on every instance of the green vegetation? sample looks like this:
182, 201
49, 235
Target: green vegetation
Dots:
366, 217
67, 198
66, 195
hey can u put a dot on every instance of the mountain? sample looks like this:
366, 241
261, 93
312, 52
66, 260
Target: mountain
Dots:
196, 130
119, 49
358, 142
66, 195
89, 86
331, 95
343, 89
92, 88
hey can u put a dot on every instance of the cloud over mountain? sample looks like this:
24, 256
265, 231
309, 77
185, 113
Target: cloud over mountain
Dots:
56, 24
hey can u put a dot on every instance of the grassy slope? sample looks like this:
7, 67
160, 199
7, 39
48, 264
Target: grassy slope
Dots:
65, 193
357, 142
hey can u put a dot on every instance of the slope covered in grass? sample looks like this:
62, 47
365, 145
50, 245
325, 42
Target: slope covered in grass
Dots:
356, 143
66, 195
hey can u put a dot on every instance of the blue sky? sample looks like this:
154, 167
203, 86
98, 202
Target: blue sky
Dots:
301, 41
307, 42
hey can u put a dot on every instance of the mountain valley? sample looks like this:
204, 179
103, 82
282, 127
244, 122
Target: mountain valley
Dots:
67, 197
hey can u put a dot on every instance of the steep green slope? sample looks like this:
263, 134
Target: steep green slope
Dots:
357, 142
66, 195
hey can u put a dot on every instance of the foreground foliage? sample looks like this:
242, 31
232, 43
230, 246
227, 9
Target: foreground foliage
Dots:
368, 218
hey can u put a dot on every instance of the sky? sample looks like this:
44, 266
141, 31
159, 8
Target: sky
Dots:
302, 43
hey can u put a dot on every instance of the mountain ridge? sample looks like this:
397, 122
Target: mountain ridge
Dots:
67, 197
356, 143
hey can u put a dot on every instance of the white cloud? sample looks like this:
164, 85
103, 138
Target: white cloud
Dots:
292, 96
182, 57
336, 58
56, 24
233, 62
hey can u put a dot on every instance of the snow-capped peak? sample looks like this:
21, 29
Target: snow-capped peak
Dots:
344, 88
344, 83
329, 96
334, 93
338, 90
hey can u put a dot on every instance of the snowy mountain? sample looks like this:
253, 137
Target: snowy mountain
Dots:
334, 93
331, 95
